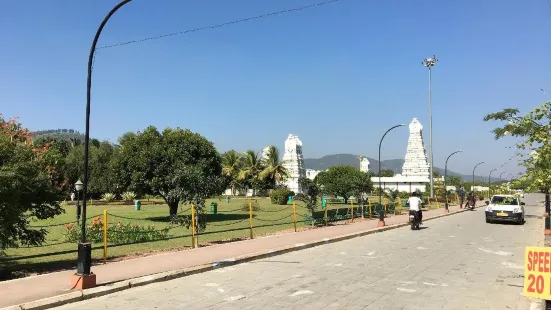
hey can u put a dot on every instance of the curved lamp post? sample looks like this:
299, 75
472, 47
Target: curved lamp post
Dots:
446, 178
381, 212
429, 63
84, 278
490, 182
472, 187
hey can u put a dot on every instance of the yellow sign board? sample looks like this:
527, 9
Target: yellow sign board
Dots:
537, 272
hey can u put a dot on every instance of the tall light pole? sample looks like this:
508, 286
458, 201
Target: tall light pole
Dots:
381, 211
446, 178
490, 182
472, 187
429, 63
84, 278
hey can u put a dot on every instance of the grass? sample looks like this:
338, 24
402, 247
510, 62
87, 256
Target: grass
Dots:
231, 223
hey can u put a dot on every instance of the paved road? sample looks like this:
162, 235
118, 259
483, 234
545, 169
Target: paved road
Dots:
456, 262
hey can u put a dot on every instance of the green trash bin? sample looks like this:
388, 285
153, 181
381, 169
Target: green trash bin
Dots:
137, 205
213, 208
290, 199
323, 203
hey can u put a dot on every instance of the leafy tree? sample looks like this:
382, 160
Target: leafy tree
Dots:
273, 170
310, 193
101, 177
231, 166
345, 181
179, 165
26, 190
250, 172
453, 180
386, 173
436, 174
534, 148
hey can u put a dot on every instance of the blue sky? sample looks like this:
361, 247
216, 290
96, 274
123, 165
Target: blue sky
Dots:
337, 75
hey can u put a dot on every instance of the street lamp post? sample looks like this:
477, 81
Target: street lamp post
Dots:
429, 63
84, 278
78, 187
472, 187
381, 211
501, 178
490, 183
447, 210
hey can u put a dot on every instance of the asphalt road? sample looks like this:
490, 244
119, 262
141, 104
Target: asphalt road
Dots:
456, 262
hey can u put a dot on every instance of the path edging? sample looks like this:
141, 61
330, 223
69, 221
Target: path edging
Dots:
118, 286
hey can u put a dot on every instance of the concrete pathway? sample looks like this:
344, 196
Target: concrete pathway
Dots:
455, 262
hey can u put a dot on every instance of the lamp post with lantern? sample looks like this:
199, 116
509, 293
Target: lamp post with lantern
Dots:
78, 188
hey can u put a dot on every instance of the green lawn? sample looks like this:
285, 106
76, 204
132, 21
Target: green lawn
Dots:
231, 222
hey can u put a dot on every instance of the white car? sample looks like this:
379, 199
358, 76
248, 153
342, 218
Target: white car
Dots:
505, 208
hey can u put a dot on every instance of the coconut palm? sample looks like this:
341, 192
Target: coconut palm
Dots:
273, 169
231, 166
250, 171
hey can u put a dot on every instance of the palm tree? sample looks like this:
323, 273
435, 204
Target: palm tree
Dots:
252, 166
231, 166
273, 171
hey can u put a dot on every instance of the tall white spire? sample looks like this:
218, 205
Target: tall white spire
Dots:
416, 163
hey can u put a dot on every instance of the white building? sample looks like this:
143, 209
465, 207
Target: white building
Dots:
415, 172
293, 161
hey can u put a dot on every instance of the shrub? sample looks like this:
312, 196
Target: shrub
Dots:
255, 206
116, 234
108, 197
128, 196
280, 196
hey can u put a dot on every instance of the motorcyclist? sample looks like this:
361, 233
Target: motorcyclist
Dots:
414, 203
470, 199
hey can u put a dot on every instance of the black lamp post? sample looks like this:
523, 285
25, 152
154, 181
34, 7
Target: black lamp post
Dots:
84, 278
446, 178
472, 187
78, 188
490, 183
381, 212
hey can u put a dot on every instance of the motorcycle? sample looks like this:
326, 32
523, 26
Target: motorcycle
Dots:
414, 220
469, 206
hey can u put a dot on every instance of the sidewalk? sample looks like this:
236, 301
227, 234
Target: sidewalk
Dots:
33, 288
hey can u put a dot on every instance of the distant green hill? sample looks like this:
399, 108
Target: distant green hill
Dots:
65, 134
352, 160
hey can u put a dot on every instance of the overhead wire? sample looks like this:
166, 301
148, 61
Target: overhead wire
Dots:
233, 22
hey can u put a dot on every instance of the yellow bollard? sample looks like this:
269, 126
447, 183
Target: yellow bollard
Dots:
192, 226
251, 218
295, 215
369, 204
399, 204
104, 237
325, 215
429, 203
385, 204
352, 210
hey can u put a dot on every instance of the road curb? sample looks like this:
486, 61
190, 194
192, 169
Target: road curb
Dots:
118, 286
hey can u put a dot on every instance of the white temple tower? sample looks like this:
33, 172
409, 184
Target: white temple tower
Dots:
293, 162
416, 163
364, 165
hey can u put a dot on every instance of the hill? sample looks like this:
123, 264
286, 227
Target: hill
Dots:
393, 164
65, 134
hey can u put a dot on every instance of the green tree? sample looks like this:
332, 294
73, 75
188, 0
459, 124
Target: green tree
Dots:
251, 169
101, 177
26, 189
310, 193
345, 181
386, 173
231, 166
273, 170
179, 165
453, 180
533, 130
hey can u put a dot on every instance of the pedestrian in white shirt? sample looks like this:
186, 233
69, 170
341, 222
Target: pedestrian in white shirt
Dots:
414, 203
